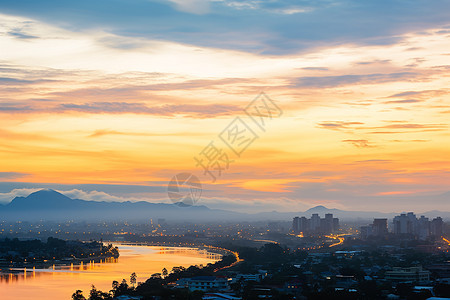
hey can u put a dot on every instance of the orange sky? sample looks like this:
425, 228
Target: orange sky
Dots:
364, 127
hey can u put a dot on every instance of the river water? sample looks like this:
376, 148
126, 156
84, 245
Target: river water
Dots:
60, 282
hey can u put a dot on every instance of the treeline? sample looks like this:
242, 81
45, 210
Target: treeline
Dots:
14, 250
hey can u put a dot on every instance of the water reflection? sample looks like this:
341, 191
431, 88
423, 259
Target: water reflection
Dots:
60, 281
17, 274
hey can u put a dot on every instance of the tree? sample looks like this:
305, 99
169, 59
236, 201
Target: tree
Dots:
123, 285
133, 277
78, 295
98, 295
164, 272
115, 288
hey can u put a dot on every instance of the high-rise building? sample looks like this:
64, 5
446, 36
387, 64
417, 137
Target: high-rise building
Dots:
315, 225
423, 228
366, 231
436, 227
405, 223
380, 227
328, 223
336, 224
377, 228
296, 225
304, 225
420, 228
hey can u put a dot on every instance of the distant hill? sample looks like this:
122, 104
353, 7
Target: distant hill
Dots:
51, 205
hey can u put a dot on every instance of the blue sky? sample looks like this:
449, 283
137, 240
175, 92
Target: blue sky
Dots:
269, 27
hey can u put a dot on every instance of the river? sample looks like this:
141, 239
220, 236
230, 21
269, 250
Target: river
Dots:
60, 282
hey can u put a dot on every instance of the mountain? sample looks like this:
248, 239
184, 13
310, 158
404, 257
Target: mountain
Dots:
44, 199
51, 205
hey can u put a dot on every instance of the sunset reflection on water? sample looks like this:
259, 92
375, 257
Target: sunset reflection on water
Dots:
59, 282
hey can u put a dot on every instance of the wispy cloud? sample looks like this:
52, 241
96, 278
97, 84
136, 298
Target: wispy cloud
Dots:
403, 101
11, 175
359, 143
342, 80
337, 125
195, 111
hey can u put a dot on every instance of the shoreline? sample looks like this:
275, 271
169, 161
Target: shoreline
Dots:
20, 267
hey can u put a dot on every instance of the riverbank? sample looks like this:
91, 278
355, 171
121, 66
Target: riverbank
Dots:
62, 282
37, 254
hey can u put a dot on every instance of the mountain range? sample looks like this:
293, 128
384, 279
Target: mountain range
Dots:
51, 205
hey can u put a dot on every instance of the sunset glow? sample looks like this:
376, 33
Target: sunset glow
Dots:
364, 124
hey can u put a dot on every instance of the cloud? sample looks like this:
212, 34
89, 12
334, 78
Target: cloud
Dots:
316, 68
168, 110
104, 132
14, 80
7, 197
407, 141
359, 143
343, 80
164, 110
192, 6
92, 195
18, 33
403, 101
337, 125
245, 25
420, 94
416, 126
96, 196
12, 175
377, 61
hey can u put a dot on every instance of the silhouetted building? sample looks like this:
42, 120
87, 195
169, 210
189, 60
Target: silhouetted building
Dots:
378, 228
335, 224
296, 225
405, 224
436, 227
366, 231
315, 225
422, 228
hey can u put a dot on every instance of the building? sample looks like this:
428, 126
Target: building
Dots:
327, 224
250, 277
296, 225
436, 227
207, 283
378, 228
422, 228
366, 232
411, 274
315, 225
405, 223
336, 224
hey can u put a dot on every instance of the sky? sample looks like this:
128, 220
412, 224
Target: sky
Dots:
109, 100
